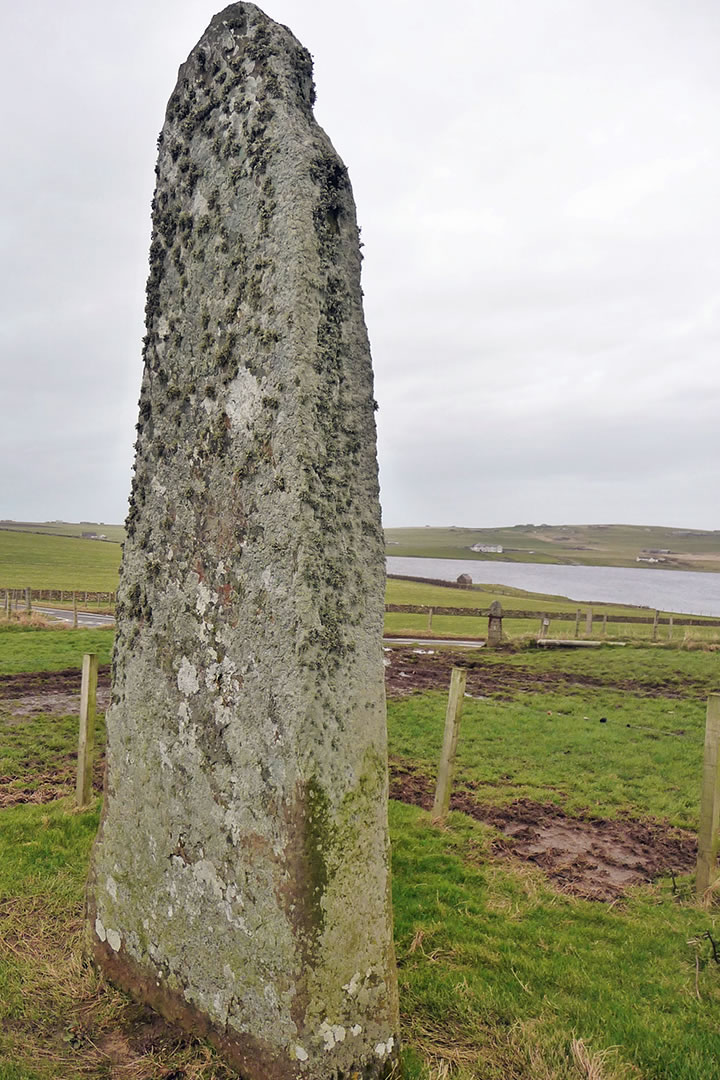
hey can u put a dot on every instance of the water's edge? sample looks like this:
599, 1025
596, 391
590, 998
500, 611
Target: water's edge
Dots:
685, 591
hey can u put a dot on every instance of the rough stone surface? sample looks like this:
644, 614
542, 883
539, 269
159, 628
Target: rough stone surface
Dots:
495, 630
240, 880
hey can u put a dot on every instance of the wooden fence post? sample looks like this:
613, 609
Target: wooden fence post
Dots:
604, 625
670, 628
589, 622
75, 618
28, 600
577, 623
709, 801
544, 626
86, 741
655, 626
450, 739
430, 615
7, 603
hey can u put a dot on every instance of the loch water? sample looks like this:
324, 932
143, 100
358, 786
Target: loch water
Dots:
684, 591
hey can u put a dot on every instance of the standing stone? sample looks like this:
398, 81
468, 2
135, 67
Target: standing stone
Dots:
495, 630
240, 880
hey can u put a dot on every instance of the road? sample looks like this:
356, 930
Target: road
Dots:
91, 620
87, 619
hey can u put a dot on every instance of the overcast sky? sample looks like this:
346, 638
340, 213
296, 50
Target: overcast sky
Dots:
537, 185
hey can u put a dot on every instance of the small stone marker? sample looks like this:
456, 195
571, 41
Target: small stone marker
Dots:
495, 617
240, 880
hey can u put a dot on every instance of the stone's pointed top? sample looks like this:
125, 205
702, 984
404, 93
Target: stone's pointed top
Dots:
254, 46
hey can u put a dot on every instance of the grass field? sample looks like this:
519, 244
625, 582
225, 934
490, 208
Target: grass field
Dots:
502, 976
581, 545
115, 533
417, 594
33, 561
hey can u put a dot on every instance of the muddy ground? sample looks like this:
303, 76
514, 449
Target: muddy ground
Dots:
596, 858
412, 668
590, 857
54, 693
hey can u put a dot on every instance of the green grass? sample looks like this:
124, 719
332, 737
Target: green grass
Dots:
579, 545
51, 650
552, 747
501, 977
498, 972
417, 594
38, 751
34, 561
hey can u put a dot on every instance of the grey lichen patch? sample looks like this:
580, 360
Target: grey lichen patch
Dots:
240, 881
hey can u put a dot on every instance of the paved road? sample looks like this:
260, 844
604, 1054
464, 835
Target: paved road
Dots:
85, 618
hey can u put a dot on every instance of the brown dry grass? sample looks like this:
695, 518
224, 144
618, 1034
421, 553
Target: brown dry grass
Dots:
65, 1022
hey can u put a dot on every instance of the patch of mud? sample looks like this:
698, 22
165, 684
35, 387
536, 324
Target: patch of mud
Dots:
595, 858
55, 693
49, 785
410, 669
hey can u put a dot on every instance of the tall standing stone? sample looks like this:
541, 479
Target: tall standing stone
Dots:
240, 880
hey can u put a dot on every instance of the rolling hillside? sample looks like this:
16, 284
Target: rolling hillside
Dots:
579, 545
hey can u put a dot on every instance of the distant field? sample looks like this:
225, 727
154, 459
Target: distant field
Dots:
31, 560
416, 593
116, 533
574, 545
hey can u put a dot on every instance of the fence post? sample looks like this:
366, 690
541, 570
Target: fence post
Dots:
706, 872
28, 600
86, 741
544, 626
577, 623
604, 625
75, 618
7, 603
589, 622
430, 615
495, 618
450, 739
655, 626
670, 628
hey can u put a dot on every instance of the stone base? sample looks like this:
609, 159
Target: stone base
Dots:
252, 1058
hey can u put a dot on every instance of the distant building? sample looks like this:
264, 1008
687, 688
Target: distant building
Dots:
647, 558
89, 536
488, 549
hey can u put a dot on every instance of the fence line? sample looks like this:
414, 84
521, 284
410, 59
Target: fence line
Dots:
654, 620
67, 596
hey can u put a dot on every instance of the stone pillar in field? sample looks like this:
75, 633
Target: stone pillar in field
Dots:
240, 880
495, 630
